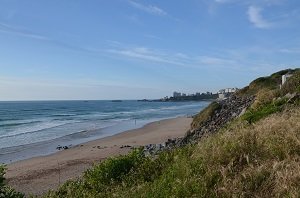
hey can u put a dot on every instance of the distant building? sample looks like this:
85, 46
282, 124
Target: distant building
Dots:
284, 78
221, 91
183, 95
224, 93
176, 94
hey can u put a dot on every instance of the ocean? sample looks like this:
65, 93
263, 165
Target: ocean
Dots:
29, 129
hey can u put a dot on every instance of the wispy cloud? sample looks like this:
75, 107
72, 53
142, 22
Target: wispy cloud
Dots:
209, 60
256, 18
224, 1
152, 37
290, 51
173, 58
148, 8
26, 33
5, 28
251, 2
146, 54
257, 10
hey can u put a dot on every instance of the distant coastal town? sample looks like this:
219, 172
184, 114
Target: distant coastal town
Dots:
178, 96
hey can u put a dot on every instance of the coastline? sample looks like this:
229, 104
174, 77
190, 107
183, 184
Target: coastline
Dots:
40, 174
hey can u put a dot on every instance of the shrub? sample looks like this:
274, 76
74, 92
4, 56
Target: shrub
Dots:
253, 115
264, 97
6, 191
2, 172
112, 171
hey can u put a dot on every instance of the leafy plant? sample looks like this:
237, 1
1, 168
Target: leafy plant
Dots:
6, 191
2, 172
253, 115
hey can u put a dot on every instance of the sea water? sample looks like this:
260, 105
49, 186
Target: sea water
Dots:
29, 129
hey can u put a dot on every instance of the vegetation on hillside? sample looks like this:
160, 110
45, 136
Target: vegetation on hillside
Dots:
256, 155
271, 82
260, 160
6, 191
256, 158
272, 99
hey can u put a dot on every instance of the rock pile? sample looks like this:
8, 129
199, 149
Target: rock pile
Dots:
230, 108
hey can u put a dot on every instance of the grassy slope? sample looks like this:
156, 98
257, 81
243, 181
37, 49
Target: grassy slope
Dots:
243, 160
271, 82
256, 155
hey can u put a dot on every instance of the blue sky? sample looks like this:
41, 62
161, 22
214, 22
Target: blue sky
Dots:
128, 49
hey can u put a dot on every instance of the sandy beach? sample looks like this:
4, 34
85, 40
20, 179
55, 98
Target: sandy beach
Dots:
38, 175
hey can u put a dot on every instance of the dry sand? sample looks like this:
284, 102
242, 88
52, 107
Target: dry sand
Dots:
38, 175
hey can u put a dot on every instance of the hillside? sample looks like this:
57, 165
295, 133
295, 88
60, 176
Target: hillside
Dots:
245, 146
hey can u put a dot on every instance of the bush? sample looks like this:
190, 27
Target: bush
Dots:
2, 172
112, 170
6, 191
264, 97
253, 115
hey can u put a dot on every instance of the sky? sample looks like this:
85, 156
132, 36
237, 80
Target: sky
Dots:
134, 49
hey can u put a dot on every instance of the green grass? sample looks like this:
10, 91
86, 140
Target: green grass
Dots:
271, 82
243, 160
256, 155
257, 158
253, 115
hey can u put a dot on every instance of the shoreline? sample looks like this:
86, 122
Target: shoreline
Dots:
49, 147
39, 174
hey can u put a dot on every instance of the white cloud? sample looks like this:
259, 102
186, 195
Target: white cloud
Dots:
251, 2
143, 53
290, 51
5, 28
223, 1
181, 55
149, 8
172, 58
152, 37
208, 60
255, 17
26, 33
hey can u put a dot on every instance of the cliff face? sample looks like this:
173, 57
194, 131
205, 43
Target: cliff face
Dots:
227, 110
